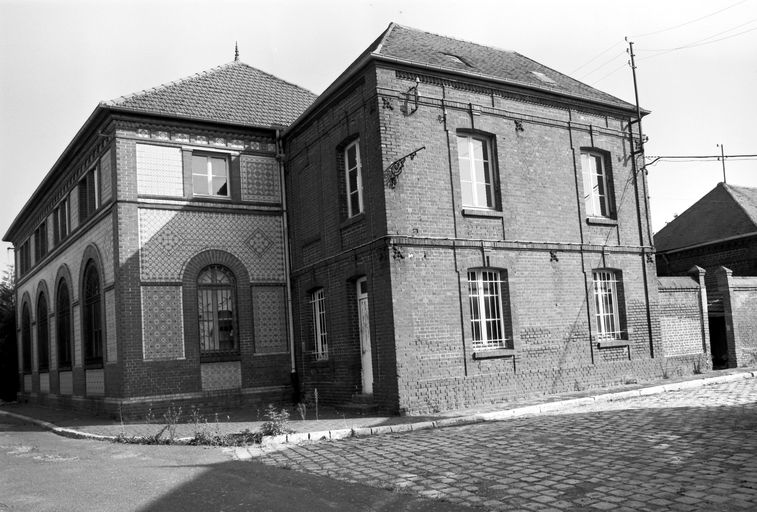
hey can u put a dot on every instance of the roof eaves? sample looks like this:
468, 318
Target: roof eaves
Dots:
49, 176
164, 115
624, 106
709, 242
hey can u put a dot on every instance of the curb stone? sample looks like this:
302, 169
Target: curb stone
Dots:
278, 442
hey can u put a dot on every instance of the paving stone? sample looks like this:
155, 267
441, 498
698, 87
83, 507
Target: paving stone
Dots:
692, 449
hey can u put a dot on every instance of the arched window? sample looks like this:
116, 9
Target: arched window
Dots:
26, 339
43, 338
217, 317
93, 333
63, 326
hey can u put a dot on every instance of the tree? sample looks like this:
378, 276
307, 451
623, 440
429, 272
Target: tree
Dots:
8, 348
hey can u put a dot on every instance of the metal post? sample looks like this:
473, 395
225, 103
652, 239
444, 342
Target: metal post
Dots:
722, 159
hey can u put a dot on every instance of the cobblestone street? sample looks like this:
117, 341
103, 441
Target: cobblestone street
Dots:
685, 450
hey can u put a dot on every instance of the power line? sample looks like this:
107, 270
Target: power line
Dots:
605, 63
595, 57
695, 43
610, 73
688, 22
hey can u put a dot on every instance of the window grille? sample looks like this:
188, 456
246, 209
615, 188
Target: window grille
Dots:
606, 297
487, 320
217, 311
318, 305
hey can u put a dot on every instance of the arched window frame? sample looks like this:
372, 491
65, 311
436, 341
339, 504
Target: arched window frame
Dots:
26, 338
92, 320
43, 333
63, 326
218, 337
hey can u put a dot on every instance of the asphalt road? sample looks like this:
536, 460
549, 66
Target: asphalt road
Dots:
40, 471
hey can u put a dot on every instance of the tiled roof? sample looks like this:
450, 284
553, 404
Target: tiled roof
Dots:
426, 49
724, 212
232, 93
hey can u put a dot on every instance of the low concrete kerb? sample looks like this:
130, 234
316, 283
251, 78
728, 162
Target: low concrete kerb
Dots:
274, 442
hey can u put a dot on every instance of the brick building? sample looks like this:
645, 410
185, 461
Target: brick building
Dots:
465, 225
719, 234
151, 262
469, 228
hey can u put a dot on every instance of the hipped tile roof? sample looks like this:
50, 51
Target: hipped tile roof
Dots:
444, 53
232, 93
723, 213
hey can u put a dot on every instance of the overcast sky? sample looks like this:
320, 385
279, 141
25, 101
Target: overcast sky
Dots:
697, 66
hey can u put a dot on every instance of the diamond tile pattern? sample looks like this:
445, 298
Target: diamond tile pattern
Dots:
260, 179
44, 382
270, 320
95, 382
159, 170
66, 382
233, 92
162, 323
164, 252
215, 376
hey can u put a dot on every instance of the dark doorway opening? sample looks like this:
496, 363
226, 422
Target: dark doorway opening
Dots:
718, 343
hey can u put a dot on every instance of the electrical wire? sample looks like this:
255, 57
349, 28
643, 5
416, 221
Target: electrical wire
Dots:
595, 57
605, 63
610, 73
688, 22
696, 43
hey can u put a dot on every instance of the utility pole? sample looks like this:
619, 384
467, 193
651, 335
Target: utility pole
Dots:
722, 159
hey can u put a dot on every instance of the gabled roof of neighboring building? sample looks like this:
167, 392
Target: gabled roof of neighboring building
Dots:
413, 47
232, 93
724, 213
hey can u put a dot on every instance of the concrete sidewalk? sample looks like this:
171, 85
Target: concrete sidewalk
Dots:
334, 425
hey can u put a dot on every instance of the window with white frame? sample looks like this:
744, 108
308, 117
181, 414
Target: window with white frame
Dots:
217, 310
474, 155
320, 338
210, 175
60, 222
354, 179
597, 189
607, 305
487, 314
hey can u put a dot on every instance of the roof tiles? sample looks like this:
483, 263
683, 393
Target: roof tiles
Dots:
232, 93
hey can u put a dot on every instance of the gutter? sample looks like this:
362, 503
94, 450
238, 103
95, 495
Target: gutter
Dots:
704, 244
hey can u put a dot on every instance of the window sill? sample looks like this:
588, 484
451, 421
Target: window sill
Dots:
220, 357
498, 353
612, 344
200, 197
94, 365
475, 212
352, 220
602, 221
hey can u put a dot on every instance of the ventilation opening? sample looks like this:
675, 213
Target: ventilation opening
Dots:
544, 78
456, 59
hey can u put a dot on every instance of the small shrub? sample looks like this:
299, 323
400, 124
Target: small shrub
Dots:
172, 417
664, 369
302, 408
698, 365
276, 421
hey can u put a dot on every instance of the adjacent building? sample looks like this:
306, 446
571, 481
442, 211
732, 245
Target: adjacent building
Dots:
719, 234
448, 224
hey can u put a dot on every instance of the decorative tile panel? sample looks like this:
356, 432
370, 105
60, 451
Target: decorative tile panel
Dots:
66, 383
159, 170
162, 323
110, 326
28, 383
260, 179
76, 317
95, 382
215, 376
44, 382
168, 239
269, 317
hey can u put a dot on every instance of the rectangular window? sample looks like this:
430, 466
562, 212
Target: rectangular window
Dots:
487, 315
24, 258
596, 185
606, 299
60, 222
89, 194
318, 304
210, 175
40, 242
476, 171
354, 176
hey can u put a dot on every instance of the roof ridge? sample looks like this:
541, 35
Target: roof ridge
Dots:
213, 70
454, 38
384, 36
729, 189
